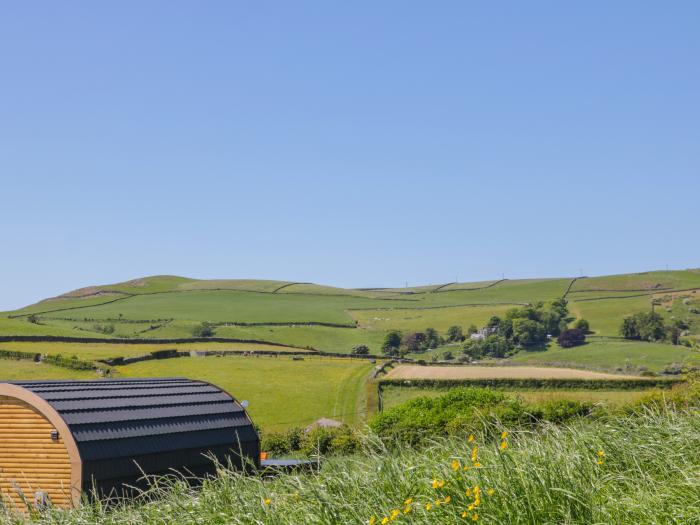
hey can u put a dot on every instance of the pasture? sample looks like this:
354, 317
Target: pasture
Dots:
606, 354
283, 393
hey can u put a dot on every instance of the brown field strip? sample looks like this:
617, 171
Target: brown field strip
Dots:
496, 372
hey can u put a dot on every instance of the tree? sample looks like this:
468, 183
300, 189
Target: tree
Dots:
571, 337
472, 329
647, 326
454, 334
34, 319
492, 346
494, 322
447, 355
204, 329
414, 342
582, 324
360, 350
528, 332
392, 342
432, 338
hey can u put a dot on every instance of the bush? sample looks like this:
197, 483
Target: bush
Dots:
414, 342
204, 329
320, 440
643, 326
425, 417
571, 337
582, 324
562, 410
392, 343
454, 334
360, 350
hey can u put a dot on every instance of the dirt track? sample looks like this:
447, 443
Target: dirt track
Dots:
495, 372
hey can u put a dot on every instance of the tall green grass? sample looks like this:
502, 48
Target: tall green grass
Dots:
650, 473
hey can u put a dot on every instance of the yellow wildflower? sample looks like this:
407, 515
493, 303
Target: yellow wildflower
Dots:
475, 452
428, 506
504, 434
471, 438
490, 492
447, 499
601, 454
395, 514
267, 501
468, 492
407, 509
408, 501
466, 467
372, 521
464, 514
455, 464
475, 517
477, 464
504, 445
385, 520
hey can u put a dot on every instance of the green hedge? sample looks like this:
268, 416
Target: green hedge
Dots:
585, 384
58, 360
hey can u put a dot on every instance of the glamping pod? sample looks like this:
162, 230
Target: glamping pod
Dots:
62, 439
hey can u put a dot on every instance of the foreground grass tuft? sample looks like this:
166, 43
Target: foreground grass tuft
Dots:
643, 468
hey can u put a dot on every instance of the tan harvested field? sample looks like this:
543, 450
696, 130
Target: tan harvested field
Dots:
496, 372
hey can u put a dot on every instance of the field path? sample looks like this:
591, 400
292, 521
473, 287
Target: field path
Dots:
496, 372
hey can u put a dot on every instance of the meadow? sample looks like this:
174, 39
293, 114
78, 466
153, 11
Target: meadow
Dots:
170, 307
629, 469
615, 355
283, 393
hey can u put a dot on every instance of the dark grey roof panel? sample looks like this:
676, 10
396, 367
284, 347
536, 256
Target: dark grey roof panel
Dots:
81, 417
149, 427
79, 405
130, 447
127, 392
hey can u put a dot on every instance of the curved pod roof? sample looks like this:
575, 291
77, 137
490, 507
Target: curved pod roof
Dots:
117, 430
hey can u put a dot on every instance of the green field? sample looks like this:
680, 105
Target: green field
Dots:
282, 393
611, 355
170, 307
13, 370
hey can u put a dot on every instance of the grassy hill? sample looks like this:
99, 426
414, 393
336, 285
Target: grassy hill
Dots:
334, 319
159, 313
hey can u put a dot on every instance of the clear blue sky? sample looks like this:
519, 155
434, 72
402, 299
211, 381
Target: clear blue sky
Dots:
347, 143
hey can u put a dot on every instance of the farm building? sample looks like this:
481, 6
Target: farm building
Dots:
59, 439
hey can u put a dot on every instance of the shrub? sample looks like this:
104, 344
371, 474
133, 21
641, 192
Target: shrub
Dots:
425, 417
562, 410
360, 350
414, 342
643, 326
392, 342
571, 337
582, 324
204, 329
454, 334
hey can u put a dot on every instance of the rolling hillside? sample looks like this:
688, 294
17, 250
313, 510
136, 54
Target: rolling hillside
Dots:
306, 315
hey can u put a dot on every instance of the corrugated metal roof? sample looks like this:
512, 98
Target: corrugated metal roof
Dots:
132, 417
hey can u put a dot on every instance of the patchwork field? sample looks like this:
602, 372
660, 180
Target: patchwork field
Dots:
301, 316
170, 307
495, 372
